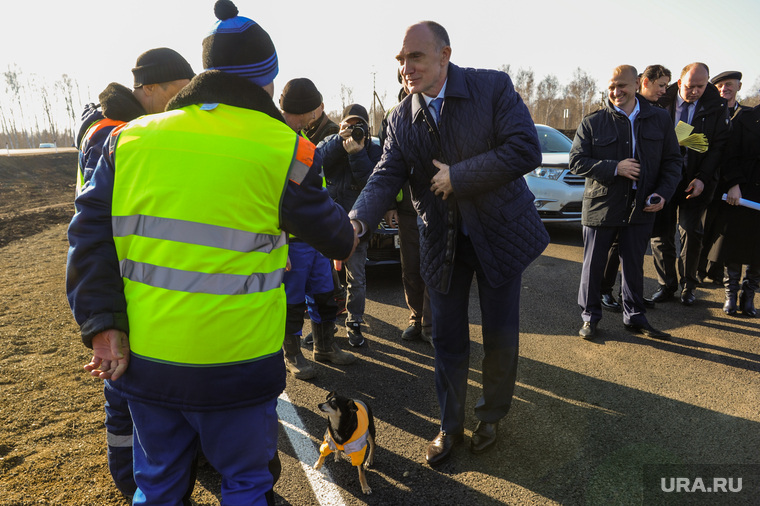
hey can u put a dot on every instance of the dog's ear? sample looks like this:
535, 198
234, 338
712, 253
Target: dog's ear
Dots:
352, 406
331, 394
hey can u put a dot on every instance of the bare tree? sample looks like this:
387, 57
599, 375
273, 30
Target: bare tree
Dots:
754, 99
581, 95
334, 116
547, 98
6, 139
524, 82
35, 110
346, 95
13, 88
66, 87
47, 108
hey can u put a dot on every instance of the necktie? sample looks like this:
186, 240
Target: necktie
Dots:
685, 118
435, 106
685, 112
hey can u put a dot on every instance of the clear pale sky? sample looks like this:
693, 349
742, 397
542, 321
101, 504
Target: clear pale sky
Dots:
334, 43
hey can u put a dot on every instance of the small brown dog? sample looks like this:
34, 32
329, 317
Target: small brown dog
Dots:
350, 430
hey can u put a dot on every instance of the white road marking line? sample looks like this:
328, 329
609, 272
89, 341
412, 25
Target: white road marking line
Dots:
303, 443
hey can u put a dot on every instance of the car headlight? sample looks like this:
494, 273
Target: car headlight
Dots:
546, 173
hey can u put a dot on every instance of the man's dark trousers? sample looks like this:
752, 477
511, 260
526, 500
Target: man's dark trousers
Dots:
687, 218
415, 290
500, 311
633, 245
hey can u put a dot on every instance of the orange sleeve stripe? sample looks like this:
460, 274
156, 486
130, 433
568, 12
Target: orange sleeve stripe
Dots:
118, 129
305, 151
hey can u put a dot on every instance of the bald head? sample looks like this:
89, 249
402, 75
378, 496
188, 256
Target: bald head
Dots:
622, 88
424, 58
695, 67
693, 81
440, 35
626, 71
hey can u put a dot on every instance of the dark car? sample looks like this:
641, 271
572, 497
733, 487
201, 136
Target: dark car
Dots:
384, 246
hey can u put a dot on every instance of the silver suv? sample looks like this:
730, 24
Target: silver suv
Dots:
558, 193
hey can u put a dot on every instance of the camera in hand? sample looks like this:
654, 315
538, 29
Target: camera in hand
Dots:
359, 131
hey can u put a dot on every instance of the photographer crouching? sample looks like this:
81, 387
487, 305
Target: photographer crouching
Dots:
348, 159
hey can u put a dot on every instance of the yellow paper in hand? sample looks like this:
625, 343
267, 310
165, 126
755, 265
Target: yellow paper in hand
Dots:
697, 142
683, 130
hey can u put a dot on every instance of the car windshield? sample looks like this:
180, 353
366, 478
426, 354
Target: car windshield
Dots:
553, 141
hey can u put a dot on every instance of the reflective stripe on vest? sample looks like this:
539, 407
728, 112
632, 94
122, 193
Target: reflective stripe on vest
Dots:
195, 233
101, 123
356, 447
195, 216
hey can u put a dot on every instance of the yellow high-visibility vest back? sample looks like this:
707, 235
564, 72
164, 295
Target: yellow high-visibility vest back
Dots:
196, 223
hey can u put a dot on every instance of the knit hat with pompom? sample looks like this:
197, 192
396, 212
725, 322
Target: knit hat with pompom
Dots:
238, 45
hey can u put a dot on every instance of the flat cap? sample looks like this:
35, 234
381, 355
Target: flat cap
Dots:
728, 74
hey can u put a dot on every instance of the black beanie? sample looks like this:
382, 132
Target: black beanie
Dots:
161, 65
238, 45
300, 96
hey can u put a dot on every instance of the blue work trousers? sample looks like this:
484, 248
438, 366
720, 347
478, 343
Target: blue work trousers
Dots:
239, 443
119, 438
309, 281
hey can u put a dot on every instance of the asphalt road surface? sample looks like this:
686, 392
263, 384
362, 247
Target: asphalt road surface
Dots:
589, 419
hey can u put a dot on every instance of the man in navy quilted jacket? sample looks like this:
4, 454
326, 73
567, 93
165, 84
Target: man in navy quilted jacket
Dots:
463, 138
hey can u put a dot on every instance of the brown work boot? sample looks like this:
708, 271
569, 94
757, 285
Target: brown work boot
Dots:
295, 362
325, 347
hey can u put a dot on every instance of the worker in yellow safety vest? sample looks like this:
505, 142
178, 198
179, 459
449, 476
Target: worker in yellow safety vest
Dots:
175, 269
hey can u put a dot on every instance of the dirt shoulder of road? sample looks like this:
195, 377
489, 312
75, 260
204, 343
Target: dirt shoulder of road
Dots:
52, 438
36, 192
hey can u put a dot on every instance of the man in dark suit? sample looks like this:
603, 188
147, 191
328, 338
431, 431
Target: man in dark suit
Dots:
728, 84
695, 101
463, 140
629, 154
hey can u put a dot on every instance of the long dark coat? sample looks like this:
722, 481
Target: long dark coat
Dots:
740, 239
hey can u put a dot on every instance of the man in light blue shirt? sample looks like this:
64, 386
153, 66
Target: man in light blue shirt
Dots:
629, 154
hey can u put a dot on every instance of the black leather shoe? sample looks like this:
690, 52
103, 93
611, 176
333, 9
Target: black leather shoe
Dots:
588, 330
609, 303
730, 305
687, 297
747, 303
648, 331
412, 332
663, 294
439, 450
649, 303
484, 437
